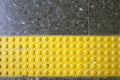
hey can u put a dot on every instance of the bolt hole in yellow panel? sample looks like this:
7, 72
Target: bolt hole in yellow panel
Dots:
60, 56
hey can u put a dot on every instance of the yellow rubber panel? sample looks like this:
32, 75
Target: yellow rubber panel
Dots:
60, 56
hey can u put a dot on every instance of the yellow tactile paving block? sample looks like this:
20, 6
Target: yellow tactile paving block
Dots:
60, 56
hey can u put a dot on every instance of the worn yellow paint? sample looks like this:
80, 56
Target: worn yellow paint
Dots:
60, 56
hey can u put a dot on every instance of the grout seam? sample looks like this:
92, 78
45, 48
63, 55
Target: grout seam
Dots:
88, 19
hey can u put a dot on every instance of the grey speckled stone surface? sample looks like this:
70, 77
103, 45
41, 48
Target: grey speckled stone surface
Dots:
42, 17
59, 17
104, 9
102, 27
61, 78
68, 27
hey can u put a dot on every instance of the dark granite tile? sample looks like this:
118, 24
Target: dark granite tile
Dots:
103, 27
34, 17
78, 27
18, 78
104, 9
21, 17
67, 9
72, 27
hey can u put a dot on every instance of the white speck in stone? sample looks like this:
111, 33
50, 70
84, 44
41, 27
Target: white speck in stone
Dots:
28, 11
58, 24
60, 0
43, 3
24, 32
14, 4
82, 25
73, 1
9, 18
81, 9
92, 6
116, 13
86, 18
103, 7
37, 12
63, 17
33, 21
98, 25
42, 24
23, 22
12, 31
37, 5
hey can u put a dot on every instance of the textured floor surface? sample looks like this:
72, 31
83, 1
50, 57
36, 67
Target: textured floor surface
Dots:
59, 17
60, 56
